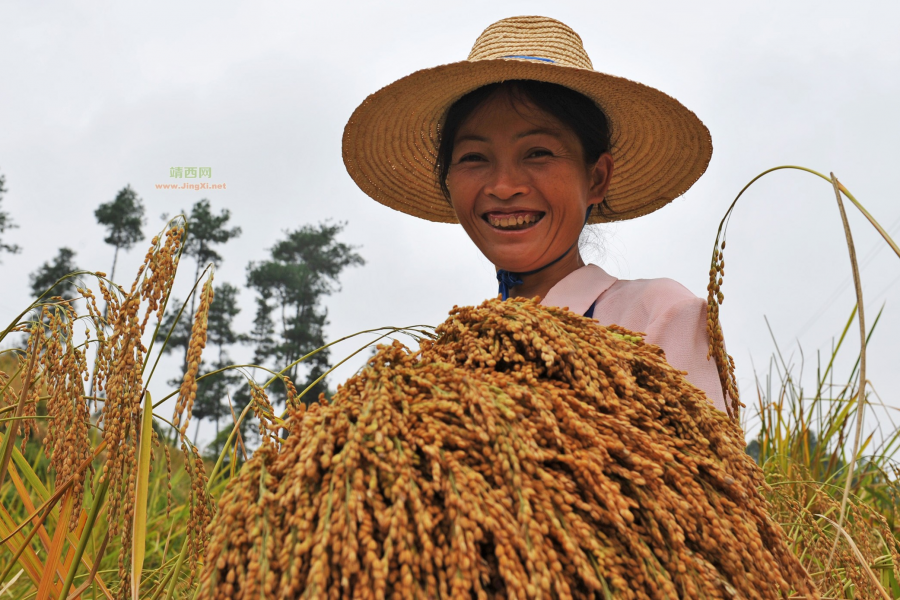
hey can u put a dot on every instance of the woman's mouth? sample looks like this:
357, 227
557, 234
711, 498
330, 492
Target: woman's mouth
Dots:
513, 221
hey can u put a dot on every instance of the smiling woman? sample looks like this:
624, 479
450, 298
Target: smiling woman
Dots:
523, 144
528, 162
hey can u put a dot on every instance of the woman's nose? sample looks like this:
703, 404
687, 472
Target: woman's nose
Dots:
506, 182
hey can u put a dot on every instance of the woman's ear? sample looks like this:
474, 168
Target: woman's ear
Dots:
600, 175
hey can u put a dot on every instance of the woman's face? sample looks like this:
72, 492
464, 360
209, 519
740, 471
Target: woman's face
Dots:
519, 184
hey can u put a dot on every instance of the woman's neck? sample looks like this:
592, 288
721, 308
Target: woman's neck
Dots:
540, 283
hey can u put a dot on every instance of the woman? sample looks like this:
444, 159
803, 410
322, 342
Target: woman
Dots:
523, 144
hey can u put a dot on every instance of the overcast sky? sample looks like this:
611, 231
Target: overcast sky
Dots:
97, 95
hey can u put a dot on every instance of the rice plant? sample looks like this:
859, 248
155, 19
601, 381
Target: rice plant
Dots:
103, 496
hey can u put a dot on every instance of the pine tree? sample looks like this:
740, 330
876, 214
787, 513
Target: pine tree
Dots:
123, 218
6, 222
303, 269
51, 271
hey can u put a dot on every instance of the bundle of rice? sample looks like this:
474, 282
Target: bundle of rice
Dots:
527, 452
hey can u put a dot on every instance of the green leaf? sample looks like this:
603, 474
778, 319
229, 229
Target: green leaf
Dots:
142, 487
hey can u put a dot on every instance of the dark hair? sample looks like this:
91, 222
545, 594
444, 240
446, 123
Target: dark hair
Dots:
573, 109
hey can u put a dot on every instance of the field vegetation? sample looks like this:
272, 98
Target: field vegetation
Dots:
103, 496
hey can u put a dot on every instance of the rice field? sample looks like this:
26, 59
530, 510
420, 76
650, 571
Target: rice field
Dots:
103, 496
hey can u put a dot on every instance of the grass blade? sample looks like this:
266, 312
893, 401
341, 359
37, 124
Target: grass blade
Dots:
60, 490
141, 488
27, 503
96, 505
59, 537
92, 575
25, 553
6, 587
42, 495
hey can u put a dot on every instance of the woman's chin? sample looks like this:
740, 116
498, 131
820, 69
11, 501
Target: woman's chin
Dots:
512, 244
517, 251
514, 263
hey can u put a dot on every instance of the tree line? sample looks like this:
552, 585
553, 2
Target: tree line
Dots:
290, 286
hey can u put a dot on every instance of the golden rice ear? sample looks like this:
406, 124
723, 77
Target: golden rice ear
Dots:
526, 452
188, 391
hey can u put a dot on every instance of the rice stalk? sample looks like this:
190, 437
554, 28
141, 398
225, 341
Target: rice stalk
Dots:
861, 390
859, 556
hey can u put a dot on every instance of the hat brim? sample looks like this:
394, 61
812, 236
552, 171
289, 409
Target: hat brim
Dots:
659, 147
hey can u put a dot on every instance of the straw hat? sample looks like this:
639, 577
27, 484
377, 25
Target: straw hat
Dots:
660, 148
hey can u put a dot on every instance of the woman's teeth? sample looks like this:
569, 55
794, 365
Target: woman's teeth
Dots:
513, 221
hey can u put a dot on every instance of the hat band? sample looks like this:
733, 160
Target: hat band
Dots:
549, 60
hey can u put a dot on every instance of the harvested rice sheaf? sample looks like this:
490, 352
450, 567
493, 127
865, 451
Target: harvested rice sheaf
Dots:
527, 452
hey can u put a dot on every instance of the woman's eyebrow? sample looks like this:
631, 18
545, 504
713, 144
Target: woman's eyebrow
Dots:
470, 138
537, 131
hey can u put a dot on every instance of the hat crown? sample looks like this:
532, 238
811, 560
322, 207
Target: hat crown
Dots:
531, 38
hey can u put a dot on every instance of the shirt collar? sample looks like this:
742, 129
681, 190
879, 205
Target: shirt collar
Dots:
579, 289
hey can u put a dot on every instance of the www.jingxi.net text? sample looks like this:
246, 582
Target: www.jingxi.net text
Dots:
190, 186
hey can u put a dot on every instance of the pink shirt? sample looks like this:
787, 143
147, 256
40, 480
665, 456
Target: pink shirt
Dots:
668, 314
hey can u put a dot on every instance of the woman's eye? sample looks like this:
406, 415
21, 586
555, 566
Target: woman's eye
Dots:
540, 152
471, 158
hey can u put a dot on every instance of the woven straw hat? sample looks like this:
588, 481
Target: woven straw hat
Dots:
660, 148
